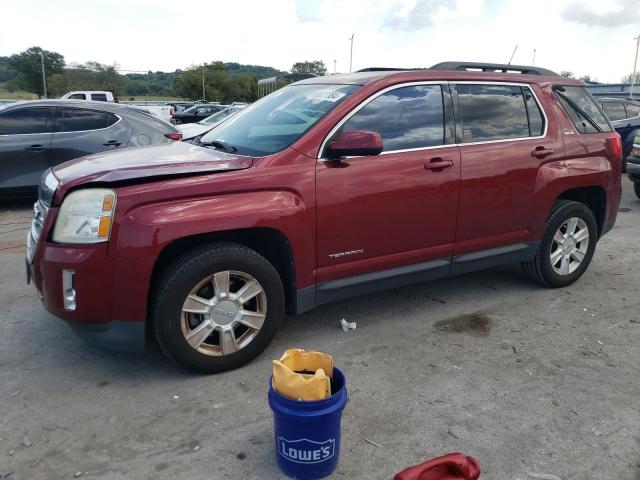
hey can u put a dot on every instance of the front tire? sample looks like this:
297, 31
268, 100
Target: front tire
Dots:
636, 189
217, 307
567, 246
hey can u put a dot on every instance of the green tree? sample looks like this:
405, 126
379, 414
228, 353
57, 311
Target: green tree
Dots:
189, 83
315, 66
106, 77
566, 74
28, 68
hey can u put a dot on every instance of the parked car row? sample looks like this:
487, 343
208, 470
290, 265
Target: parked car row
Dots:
333, 187
196, 113
633, 164
38, 135
625, 118
192, 130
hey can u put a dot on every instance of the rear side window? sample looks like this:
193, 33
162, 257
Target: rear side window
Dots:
633, 110
77, 96
99, 97
25, 120
536, 120
79, 119
497, 112
405, 118
614, 110
582, 109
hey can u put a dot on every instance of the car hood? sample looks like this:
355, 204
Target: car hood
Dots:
191, 130
177, 158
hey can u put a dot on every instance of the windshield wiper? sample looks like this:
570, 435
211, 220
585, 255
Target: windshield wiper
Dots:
220, 145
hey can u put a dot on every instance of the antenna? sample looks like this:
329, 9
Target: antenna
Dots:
351, 54
514, 52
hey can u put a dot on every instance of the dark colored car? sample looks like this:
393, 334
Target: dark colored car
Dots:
38, 135
625, 118
195, 113
633, 164
329, 188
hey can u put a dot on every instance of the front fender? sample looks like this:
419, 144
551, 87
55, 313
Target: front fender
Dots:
145, 230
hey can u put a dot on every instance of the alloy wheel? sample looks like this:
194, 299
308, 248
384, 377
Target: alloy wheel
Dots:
223, 313
569, 246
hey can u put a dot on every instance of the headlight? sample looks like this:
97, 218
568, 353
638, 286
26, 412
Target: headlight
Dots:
85, 216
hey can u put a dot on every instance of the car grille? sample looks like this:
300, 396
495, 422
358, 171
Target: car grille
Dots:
40, 211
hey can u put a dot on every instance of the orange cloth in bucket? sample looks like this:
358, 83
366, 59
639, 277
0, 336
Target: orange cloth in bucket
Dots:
314, 384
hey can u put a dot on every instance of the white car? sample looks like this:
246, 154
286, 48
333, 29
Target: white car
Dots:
192, 130
94, 95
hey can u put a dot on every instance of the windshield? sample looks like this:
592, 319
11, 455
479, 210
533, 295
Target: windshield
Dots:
216, 117
276, 121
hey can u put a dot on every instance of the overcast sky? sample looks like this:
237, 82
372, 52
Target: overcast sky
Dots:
594, 37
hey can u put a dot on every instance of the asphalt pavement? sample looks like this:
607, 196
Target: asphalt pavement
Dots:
530, 381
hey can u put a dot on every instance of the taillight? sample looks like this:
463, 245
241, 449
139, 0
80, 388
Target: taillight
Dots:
614, 143
174, 136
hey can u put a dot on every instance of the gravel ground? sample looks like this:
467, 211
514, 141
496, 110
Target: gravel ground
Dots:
530, 381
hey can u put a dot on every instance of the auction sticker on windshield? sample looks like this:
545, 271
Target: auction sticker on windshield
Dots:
325, 95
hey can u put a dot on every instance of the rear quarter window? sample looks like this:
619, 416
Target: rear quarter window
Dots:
583, 110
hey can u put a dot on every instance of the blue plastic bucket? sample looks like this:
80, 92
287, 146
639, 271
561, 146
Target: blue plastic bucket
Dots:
307, 434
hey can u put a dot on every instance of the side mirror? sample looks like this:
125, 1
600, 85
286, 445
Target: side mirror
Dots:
356, 143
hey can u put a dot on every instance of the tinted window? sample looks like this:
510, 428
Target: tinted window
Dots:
614, 110
582, 110
78, 96
25, 120
99, 97
492, 112
536, 120
77, 119
633, 110
279, 119
407, 117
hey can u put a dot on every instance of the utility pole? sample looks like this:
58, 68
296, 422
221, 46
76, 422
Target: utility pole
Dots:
44, 78
351, 54
203, 94
533, 62
335, 68
635, 66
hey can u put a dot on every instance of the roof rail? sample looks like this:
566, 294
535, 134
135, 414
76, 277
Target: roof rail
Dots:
385, 69
493, 67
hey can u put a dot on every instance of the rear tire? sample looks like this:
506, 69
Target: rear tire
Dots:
567, 246
636, 188
217, 307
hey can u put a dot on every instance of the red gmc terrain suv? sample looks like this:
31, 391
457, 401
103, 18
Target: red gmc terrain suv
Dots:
328, 188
